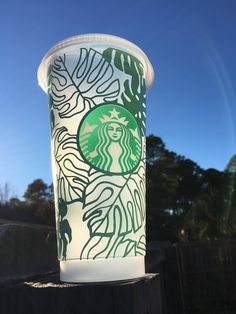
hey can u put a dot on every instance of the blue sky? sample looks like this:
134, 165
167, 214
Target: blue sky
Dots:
192, 103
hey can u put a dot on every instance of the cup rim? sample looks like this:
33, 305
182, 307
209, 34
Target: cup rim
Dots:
98, 39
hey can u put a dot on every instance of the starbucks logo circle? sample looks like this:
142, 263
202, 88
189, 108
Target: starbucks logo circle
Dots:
109, 139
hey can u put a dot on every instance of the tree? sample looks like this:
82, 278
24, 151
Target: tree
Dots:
39, 199
173, 183
184, 199
212, 215
14, 202
50, 193
36, 192
5, 191
230, 195
205, 220
231, 166
155, 148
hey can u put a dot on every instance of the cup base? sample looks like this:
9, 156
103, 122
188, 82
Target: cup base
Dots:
101, 270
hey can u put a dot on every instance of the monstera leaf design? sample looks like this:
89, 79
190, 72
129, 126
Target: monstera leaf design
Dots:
75, 87
114, 207
64, 232
72, 171
134, 93
134, 248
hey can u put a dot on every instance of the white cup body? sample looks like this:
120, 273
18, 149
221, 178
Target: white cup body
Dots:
96, 86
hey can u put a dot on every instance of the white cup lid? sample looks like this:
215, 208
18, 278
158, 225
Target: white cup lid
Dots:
98, 39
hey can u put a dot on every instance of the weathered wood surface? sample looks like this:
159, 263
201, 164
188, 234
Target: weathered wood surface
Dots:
29, 250
138, 296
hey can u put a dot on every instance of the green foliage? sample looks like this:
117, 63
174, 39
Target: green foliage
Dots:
230, 196
36, 191
231, 166
205, 218
40, 201
38, 206
185, 202
155, 149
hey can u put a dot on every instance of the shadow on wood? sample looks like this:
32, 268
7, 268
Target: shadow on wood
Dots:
138, 296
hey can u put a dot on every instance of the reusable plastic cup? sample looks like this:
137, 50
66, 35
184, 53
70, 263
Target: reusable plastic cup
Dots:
96, 86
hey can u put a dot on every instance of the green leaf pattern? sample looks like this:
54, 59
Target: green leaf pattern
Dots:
133, 95
72, 171
79, 86
113, 205
115, 209
64, 230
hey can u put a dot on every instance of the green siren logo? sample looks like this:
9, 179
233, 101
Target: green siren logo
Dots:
109, 139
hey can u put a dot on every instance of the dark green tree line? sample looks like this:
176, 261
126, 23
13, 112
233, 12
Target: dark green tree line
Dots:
184, 201
37, 206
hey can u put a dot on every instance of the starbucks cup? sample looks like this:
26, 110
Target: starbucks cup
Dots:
96, 86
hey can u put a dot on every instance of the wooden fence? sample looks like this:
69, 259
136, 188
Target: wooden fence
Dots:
200, 278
